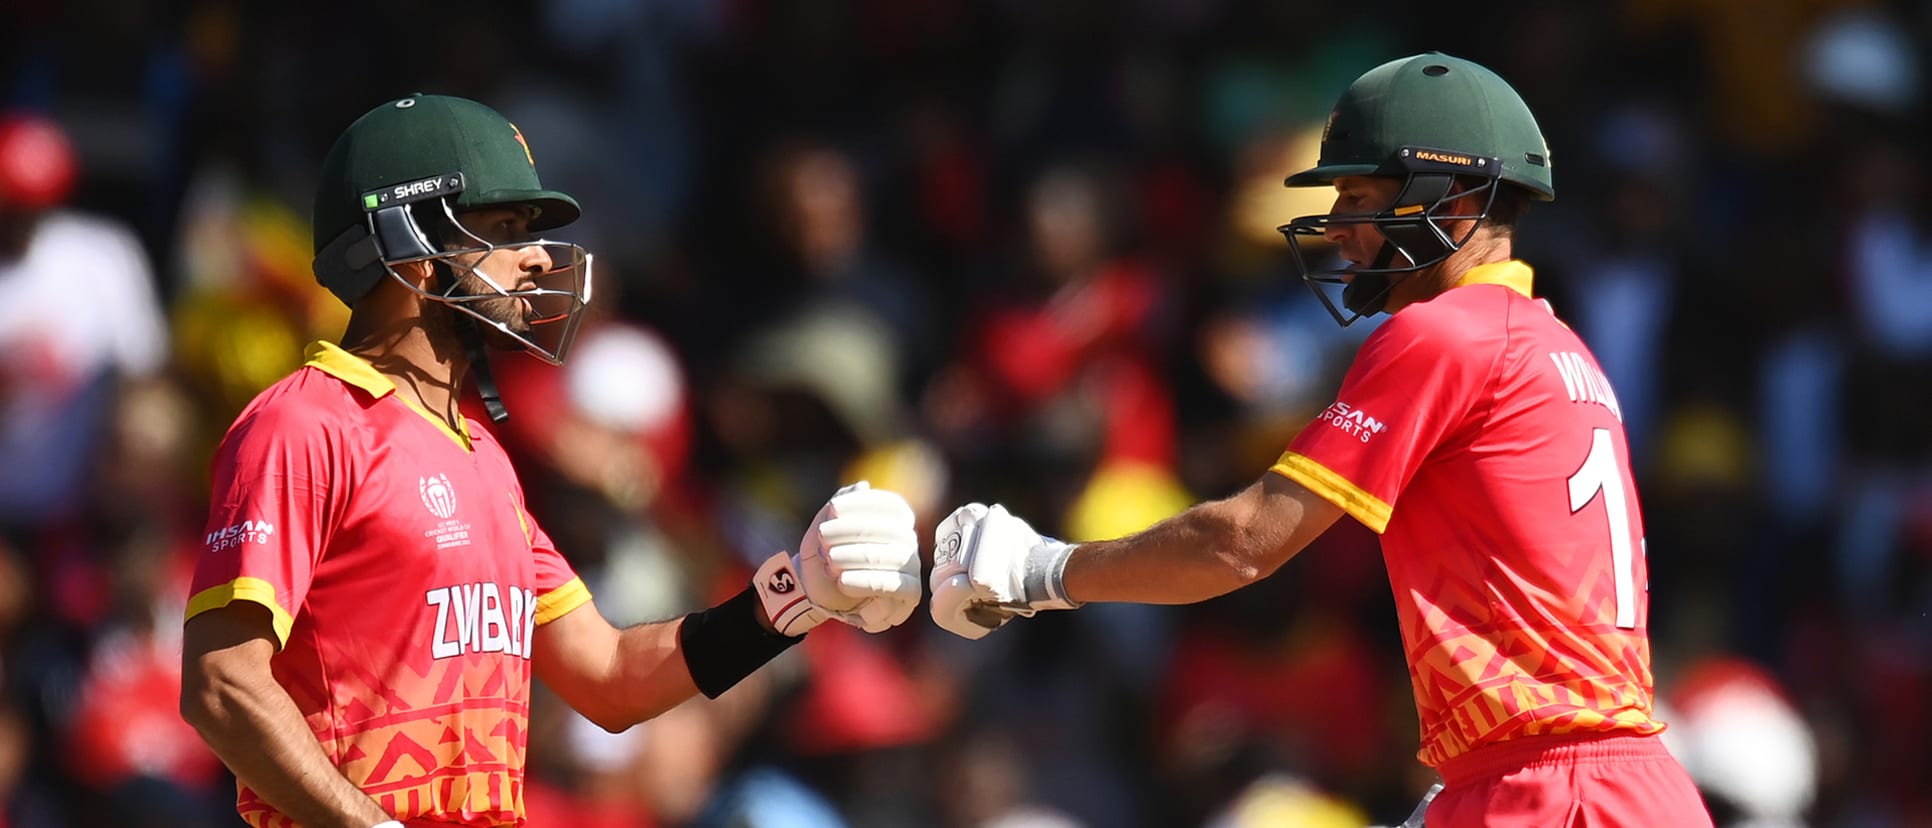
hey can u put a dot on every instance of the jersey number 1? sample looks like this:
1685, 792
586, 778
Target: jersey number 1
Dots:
1601, 473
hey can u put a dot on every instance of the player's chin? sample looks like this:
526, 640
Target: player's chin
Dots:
512, 314
505, 315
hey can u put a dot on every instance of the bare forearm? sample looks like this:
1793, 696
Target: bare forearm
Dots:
615, 678
650, 675
259, 733
655, 673
1190, 557
1207, 551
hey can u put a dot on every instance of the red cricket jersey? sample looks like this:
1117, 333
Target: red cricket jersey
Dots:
1478, 435
405, 578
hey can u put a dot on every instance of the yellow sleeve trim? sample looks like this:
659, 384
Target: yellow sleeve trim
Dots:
253, 590
1334, 488
559, 602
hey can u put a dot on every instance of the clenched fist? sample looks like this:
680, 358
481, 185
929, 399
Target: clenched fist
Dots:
989, 566
858, 563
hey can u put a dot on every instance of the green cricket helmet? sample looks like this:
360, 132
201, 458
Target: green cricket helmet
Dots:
1431, 120
391, 190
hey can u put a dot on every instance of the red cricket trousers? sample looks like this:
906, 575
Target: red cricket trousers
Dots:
1568, 781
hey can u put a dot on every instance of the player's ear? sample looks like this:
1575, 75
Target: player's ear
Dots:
1462, 202
420, 273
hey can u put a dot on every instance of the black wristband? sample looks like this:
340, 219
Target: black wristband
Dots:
725, 643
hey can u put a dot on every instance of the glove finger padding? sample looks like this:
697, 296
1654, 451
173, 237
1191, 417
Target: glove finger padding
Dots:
886, 585
879, 541
868, 527
878, 558
871, 512
883, 508
860, 558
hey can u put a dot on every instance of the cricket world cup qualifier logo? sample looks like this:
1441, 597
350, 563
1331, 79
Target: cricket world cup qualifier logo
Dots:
438, 495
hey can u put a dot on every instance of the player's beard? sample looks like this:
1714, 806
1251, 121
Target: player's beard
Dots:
510, 312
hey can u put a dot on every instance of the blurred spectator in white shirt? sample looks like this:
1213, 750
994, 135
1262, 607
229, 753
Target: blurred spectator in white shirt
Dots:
77, 310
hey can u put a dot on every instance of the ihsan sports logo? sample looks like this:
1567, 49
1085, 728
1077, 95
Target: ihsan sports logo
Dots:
247, 531
1353, 421
438, 495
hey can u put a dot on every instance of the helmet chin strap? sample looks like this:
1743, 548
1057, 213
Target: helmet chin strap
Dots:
1368, 293
472, 337
470, 334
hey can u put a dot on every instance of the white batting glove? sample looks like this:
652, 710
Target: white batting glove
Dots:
858, 563
989, 566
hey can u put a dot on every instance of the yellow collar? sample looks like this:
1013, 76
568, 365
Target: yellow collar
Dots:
1512, 274
345, 366
329, 358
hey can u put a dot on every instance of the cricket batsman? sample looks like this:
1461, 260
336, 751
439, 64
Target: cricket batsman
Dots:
1474, 431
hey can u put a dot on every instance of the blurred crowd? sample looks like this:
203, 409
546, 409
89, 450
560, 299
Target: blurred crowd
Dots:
1000, 250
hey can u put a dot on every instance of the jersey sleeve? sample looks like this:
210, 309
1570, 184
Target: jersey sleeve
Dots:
268, 518
558, 588
1412, 384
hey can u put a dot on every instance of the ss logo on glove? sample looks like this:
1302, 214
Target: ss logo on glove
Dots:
781, 582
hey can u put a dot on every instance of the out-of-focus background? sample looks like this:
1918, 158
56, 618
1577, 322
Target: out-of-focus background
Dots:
1014, 250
